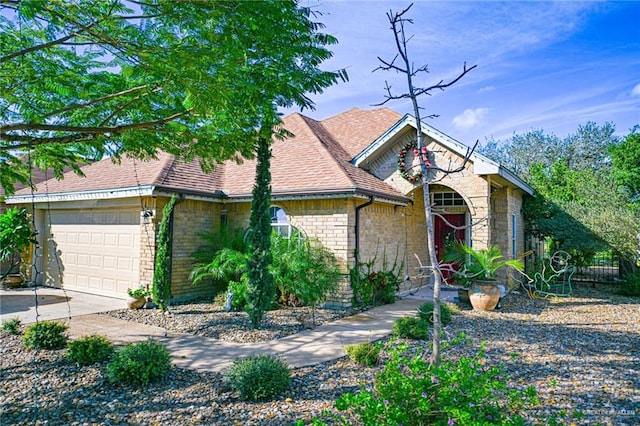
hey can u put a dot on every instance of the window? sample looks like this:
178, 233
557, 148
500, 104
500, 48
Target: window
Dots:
280, 223
447, 199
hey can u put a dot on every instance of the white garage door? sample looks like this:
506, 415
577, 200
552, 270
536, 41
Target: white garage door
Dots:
93, 251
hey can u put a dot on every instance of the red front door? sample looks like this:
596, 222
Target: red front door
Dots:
446, 234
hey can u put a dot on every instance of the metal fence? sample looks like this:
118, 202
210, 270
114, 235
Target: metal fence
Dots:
603, 268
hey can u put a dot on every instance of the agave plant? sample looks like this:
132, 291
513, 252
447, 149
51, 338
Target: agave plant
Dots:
480, 264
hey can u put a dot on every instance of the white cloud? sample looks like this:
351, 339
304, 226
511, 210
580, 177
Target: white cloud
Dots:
636, 90
470, 118
486, 89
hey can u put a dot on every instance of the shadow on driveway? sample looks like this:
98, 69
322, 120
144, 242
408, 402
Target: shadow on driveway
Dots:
48, 303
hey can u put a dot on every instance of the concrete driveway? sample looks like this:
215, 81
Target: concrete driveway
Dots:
52, 303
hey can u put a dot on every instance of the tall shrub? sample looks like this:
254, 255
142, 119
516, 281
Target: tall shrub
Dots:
260, 285
161, 289
375, 285
304, 272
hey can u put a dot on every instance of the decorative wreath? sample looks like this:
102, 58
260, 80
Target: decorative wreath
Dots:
402, 164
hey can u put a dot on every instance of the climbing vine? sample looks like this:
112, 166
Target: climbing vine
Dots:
161, 288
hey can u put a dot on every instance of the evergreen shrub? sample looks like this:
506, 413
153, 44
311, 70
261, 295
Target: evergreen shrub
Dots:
139, 363
89, 350
12, 326
425, 311
631, 285
258, 377
365, 353
411, 328
45, 335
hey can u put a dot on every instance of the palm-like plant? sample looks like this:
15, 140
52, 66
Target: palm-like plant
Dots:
478, 264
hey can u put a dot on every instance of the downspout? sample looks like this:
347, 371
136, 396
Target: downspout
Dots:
356, 251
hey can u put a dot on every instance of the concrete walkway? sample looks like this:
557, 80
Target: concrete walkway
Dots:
324, 343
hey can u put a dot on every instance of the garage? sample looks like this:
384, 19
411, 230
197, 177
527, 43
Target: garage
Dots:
93, 250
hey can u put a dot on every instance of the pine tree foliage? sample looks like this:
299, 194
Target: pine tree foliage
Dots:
260, 287
161, 288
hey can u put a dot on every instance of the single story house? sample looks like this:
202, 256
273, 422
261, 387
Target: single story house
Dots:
336, 180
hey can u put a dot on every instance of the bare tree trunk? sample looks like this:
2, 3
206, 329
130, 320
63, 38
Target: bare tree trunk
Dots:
428, 169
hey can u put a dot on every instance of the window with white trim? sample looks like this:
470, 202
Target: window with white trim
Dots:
447, 199
280, 223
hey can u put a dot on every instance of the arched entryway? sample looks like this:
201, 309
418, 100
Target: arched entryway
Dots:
451, 217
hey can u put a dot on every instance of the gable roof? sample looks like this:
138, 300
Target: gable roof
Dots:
315, 162
481, 165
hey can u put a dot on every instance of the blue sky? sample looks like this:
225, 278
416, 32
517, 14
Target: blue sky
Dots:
541, 65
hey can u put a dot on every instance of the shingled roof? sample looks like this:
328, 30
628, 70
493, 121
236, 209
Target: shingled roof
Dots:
315, 162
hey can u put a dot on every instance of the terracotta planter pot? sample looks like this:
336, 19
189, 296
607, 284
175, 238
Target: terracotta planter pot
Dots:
136, 302
484, 295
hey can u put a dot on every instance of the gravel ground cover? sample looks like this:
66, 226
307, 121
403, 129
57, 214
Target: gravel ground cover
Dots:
212, 321
582, 354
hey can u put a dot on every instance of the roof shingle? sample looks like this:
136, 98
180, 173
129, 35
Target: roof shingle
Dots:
315, 160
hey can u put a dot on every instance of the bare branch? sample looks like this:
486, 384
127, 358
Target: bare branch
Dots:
84, 130
441, 85
458, 169
45, 45
80, 134
125, 106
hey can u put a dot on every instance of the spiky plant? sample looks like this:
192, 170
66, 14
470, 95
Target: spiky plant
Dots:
480, 264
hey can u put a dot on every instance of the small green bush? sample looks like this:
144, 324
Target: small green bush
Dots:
139, 363
12, 326
454, 308
374, 283
411, 391
631, 285
363, 353
258, 377
425, 311
89, 350
411, 328
45, 335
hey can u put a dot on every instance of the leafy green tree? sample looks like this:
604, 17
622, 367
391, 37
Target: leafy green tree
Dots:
577, 203
625, 159
520, 152
196, 79
85, 79
581, 210
584, 149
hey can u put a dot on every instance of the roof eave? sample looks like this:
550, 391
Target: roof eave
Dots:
481, 165
326, 194
380, 141
101, 194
